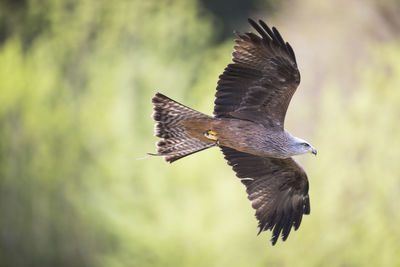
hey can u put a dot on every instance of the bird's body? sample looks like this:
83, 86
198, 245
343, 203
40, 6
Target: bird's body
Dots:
252, 98
244, 136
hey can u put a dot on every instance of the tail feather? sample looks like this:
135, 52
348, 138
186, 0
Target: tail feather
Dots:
175, 143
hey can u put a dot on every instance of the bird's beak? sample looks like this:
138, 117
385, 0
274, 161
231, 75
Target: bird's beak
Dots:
314, 151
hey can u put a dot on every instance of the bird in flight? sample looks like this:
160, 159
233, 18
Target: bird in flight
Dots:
253, 94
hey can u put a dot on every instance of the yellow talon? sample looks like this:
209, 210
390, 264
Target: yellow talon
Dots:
211, 135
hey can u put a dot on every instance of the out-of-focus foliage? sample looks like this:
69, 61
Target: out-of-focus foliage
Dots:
76, 78
356, 189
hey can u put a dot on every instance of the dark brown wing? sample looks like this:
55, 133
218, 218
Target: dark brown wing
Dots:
259, 84
278, 190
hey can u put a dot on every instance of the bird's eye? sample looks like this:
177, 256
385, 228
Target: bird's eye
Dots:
306, 145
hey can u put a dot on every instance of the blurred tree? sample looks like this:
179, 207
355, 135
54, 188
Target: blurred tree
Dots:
357, 178
16, 15
229, 14
66, 68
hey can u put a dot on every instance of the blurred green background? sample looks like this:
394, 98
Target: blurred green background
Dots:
76, 79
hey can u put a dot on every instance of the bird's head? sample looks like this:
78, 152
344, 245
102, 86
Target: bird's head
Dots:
302, 147
307, 148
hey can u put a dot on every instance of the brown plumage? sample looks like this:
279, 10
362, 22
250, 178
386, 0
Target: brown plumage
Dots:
252, 98
175, 143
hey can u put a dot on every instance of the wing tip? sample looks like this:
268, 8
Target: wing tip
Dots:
259, 29
272, 34
251, 21
273, 240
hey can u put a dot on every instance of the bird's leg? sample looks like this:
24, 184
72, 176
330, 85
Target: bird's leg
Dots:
211, 135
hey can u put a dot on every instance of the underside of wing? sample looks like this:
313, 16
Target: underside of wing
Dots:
260, 83
277, 189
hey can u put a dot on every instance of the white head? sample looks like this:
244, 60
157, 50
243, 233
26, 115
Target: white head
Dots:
298, 146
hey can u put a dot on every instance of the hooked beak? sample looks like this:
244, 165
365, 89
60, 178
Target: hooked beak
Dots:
314, 151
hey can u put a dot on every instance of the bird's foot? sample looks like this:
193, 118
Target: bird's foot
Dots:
211, 135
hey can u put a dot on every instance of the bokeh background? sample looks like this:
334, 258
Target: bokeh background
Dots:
76, 79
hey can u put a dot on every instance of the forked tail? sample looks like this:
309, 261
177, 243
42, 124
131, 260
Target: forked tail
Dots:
175, 143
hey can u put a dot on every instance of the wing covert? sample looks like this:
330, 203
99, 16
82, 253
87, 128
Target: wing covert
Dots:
277, 189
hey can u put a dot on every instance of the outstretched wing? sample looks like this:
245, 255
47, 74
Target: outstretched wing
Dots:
260, 83
277, 189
